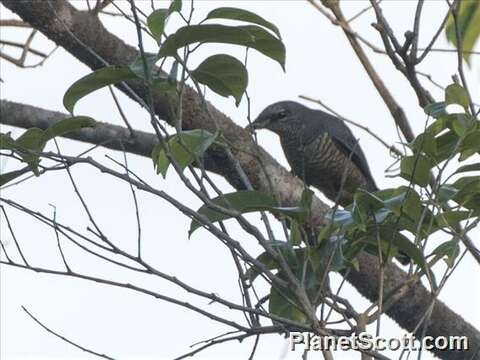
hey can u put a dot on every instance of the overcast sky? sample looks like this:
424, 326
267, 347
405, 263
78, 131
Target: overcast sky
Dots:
126, 325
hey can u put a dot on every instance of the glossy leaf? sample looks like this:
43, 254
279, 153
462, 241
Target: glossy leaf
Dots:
436, 110
416, 169
68, 125
446, 145
224, 75
405, 246
451, 218
250, 36
281, 303
299, 213
240, 201
425, 143
449, 251
341, 217
446, 192
467, 168
98, 79
6, 141
183, 148
12, 175
468, 24
29, 144
157, 20
456, 94
241, 15
461, 123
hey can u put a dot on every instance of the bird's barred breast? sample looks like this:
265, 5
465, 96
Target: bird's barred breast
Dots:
321, 164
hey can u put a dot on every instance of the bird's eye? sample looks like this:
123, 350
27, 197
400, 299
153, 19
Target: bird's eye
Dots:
281, 114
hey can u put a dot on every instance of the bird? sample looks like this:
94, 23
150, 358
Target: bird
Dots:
320, 149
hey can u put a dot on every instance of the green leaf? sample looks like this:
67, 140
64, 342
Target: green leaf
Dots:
29, 143
446, 145
67, 125
466, 154
436, 110
250, 36
157, 20
404, 203
451, 218
9, 176
299, 213
293, 257
98, 79
468, 186
446, 192
32, 139
160, 160
468, 195
6, 142
449, 250
416, 169
469, 26
340, 217
224, 75
285, 306
183, 147
426, 143
438, 125
471, 141
242, 15
461, 123
239, 201
296, 233
403, 245
467, 168
455, 94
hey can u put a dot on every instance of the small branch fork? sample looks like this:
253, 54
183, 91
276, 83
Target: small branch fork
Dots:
26, 47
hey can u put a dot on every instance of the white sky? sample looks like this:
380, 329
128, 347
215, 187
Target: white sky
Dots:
126, 325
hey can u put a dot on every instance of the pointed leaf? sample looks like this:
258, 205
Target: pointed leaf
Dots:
6, 142
416, 169
241, 15
466, 168
239, 201
67, 125
98, 79
469, 26
449, 250
456, 94
436, 110
250, 36
451, 218
9, 176
224, 75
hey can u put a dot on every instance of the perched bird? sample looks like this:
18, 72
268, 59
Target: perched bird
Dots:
320, 149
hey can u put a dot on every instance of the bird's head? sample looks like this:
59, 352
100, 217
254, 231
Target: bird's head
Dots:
278, 117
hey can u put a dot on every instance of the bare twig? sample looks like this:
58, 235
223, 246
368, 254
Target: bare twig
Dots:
64, 338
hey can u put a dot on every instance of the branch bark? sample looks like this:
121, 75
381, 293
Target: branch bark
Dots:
83, 35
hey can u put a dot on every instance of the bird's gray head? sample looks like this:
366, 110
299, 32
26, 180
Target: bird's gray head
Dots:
278, 116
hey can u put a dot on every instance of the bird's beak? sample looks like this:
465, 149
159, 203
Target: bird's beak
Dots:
257, 124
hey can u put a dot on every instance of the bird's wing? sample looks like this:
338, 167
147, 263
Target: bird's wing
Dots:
343, 139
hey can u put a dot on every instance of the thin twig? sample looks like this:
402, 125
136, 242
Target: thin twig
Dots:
64, 338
